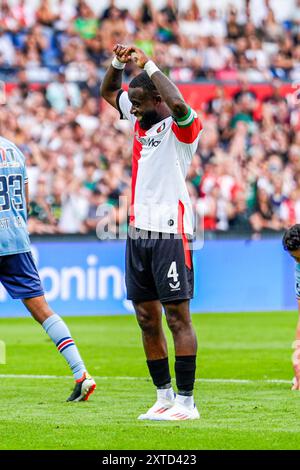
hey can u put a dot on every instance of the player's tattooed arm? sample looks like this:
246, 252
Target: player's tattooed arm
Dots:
112, 81
166, 88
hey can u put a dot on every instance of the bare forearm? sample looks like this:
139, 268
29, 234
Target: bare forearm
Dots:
112, 81
170, 94
167, 90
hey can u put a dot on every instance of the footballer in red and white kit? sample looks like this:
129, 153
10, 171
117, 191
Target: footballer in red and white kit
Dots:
159, 267
161, 157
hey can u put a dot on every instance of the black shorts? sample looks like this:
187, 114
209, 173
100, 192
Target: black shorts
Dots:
158, 268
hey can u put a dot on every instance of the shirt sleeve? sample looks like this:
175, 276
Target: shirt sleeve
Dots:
23, 158
297, 281
124, 107
187, 129
25, 175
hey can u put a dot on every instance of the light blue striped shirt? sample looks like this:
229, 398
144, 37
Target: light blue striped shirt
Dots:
13, 213
297, 280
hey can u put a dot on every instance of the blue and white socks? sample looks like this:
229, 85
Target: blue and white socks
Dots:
58, 331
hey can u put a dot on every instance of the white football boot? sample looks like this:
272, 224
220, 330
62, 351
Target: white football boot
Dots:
165, 400
183, 408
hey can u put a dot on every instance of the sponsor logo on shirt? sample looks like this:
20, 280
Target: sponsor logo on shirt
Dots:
161, 128
147, 141
7, 158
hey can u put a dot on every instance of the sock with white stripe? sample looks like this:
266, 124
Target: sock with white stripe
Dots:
58, 331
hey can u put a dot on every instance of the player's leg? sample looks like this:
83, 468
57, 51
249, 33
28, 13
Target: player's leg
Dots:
149, 317
173, 271
179, 321
21, 279
142, 291
60, 334
185, 343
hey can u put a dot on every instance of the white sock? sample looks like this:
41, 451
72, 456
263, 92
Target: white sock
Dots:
182, 400
165, 394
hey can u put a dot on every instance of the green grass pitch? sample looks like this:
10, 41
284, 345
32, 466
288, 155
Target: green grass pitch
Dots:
251, 408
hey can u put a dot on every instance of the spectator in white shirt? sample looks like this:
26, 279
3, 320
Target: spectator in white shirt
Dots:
7, 51
216, 55
62, 94
212, 25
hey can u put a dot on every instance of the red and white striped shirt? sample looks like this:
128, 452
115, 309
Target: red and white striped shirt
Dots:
161, 157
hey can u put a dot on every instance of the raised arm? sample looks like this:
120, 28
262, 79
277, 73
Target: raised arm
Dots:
166, 88
112, 81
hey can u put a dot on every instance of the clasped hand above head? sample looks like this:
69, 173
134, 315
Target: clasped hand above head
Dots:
126, 53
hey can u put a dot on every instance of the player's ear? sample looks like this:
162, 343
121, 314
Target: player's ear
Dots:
157, 98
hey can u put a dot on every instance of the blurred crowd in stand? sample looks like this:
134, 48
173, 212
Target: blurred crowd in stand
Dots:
245, 175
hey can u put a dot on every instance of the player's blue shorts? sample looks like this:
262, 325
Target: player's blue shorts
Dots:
19, 276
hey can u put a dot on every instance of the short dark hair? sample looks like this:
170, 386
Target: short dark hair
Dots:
291, 238
142, 80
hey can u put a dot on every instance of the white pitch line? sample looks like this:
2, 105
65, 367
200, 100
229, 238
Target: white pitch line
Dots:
99, 377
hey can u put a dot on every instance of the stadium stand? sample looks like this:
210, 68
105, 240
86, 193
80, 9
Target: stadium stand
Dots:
245, 176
